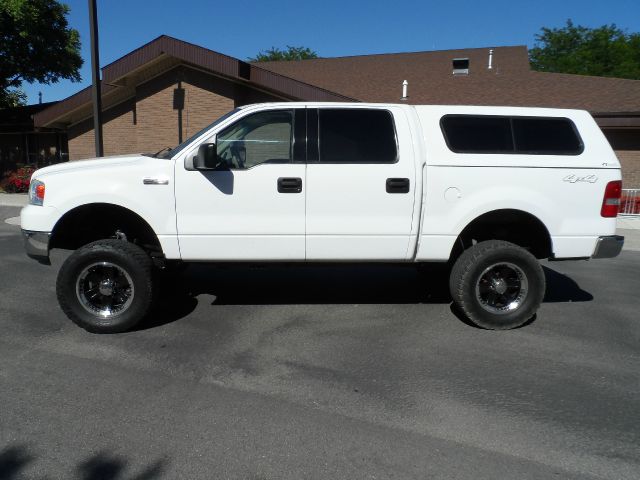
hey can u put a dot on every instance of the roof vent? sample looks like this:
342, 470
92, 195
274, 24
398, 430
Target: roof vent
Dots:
405, 86
460, 66
490, 66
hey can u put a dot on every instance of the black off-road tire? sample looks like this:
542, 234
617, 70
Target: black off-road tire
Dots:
126, 256
468, 270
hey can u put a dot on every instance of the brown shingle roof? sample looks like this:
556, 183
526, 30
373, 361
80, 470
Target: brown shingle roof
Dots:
378, 78
189, 54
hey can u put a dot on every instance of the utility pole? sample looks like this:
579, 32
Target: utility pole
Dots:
95, 74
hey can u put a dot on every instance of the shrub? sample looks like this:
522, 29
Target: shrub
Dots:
18, 181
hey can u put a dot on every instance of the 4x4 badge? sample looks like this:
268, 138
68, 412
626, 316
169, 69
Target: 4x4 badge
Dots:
576, 179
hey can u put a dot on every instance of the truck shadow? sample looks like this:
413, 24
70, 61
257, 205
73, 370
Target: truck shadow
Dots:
321, 285
561, 288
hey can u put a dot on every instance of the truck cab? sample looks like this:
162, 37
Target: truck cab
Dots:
301, 182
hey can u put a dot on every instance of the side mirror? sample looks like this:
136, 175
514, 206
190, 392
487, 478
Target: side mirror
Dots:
207, 158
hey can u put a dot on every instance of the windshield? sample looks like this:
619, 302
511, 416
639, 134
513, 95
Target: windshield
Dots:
170, 153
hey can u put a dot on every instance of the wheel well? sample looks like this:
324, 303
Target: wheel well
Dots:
98, 221
513, 226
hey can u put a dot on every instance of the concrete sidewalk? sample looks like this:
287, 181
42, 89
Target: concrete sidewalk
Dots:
13, 199
629, 228
629, 222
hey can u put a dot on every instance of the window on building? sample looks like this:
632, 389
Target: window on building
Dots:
501, 134
357, 136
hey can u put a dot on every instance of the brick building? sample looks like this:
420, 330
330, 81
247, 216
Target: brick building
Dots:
166, 90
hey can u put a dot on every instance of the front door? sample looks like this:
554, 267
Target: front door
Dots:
252, 207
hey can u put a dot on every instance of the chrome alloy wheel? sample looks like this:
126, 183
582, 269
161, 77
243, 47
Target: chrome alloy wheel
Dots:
105, 289
502, 288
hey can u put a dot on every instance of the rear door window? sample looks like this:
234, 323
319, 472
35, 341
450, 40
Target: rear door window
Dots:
356, 136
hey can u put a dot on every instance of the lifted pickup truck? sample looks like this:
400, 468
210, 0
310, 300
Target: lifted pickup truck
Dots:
489, 189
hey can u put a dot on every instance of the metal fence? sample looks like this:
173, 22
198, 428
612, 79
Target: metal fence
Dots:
630, 201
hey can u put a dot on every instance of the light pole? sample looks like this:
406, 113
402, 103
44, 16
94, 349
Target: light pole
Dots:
95, 74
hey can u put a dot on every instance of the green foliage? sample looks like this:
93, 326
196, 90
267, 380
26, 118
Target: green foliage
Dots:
291, 53
12, 98
36, 45
606, 51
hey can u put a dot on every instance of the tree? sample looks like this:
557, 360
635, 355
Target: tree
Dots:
606, 51
291, 53
36, 45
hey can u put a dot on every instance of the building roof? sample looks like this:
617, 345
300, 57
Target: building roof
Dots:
21, 117
372, 78
510, 81
164, 53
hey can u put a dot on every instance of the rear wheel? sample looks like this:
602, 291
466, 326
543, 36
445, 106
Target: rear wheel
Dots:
106, 286
497, 285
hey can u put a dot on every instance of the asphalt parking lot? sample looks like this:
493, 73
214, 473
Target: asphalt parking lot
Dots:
318, 373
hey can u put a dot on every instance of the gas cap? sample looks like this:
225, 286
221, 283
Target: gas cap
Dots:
452, 194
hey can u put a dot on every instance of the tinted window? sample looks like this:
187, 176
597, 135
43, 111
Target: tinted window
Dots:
264, 137
546, 135
357, 136
481, 134
495, 134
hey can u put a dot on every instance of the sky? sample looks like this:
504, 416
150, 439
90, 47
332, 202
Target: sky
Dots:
242, 28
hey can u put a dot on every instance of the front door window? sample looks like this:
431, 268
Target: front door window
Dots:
264, 137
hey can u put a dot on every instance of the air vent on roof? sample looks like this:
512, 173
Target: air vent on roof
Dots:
460, 66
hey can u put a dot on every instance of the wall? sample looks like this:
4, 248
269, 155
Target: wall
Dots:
156, 121
206, 99
630, 161
118, 132
148, 122
626, 144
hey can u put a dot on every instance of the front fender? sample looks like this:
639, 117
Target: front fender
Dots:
122, 186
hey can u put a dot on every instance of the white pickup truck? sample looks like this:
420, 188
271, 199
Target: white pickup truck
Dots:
489, 189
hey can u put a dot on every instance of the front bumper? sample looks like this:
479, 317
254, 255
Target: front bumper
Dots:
36, 244
608, 247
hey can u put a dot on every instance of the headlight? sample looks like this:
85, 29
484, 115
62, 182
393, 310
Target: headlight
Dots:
36, 192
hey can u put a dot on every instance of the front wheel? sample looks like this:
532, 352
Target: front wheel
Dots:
106, 286
497, 285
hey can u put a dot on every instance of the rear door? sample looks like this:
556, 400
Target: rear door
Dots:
361, 181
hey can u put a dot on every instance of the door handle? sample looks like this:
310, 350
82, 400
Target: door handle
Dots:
289, 185
398, 185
